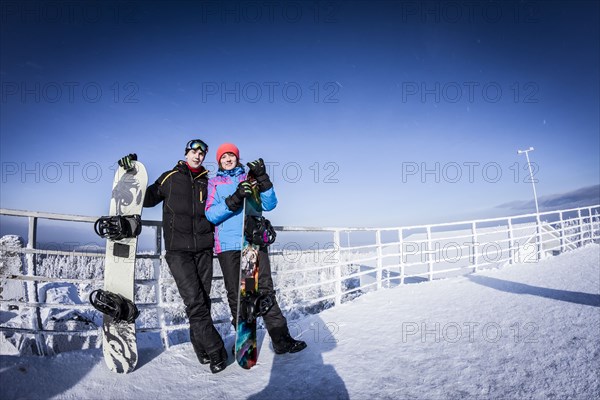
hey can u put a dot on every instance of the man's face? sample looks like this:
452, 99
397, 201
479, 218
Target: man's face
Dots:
194, 158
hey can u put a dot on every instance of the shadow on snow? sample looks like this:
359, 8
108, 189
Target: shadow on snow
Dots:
305, 375
586, 299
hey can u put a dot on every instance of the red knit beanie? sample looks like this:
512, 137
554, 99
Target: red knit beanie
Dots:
227, 148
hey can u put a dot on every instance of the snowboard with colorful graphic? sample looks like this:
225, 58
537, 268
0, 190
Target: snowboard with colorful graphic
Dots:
251, 302
246, 349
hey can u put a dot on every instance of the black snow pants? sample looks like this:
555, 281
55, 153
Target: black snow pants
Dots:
193, 273
230, 265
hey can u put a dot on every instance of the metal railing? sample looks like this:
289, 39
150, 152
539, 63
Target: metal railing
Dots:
309, 278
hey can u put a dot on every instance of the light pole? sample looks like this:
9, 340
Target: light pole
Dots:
537, 209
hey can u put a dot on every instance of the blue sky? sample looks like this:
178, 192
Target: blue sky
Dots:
368, 113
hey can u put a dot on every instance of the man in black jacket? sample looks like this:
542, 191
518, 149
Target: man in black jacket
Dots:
189, 243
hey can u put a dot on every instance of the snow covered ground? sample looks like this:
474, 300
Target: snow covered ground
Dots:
525, 331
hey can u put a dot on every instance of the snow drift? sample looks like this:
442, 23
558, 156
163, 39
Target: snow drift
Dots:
524, 331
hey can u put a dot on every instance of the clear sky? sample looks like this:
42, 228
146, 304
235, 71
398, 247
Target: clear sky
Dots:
367, 113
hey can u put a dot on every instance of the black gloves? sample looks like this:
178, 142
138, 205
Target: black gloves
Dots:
244, 189
257, 167
258, 170
126, 162
236, 200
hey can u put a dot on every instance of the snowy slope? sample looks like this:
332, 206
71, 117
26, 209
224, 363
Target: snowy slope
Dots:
526, 331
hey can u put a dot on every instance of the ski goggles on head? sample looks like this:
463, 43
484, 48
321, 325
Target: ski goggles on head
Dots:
196, 144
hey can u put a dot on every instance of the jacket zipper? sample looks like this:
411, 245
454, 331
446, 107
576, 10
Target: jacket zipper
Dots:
193, 211
193, 180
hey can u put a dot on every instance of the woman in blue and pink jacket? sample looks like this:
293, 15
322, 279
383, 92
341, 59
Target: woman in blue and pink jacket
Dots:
226, 194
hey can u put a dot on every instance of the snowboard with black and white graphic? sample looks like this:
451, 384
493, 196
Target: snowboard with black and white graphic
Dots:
121, 228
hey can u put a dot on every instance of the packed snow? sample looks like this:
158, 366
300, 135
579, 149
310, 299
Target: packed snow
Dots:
524, 331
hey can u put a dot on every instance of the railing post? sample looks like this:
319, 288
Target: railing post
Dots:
592, 220
562, 232
588, 227
337, 271
474, 255
598, 221
591, 225
401, 241
511, 243
581, 239
379, 259
429, 257
160, 311
538, 230
32, 287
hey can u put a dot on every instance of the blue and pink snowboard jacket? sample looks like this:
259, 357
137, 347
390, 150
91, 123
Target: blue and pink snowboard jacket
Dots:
228, 224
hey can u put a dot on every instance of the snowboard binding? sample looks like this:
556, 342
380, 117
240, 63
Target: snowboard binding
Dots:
254, 305
118, 227
114, 305
259, 231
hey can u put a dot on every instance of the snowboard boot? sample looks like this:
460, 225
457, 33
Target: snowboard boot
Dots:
203, 358
202, 355
218, 360
199, 350
284, 343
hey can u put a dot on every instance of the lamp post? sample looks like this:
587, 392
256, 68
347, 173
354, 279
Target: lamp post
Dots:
537, 209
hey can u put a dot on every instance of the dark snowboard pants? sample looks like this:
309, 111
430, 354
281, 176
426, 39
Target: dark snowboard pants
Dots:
230, 265
193, 272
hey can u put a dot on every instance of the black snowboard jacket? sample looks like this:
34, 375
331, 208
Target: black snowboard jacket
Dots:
183, 194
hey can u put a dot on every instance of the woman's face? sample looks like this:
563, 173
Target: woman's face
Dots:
228, 161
